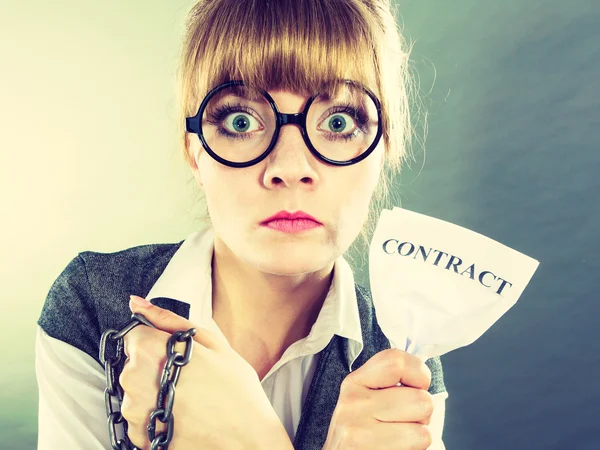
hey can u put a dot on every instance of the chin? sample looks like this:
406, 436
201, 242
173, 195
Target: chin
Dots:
292, 269
285, 261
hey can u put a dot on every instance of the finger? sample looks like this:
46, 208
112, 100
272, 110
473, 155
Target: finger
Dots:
402, 404
163, 319
389, 367
389, 436
169, 322
135, 423
138, 417
135, 336
400, 436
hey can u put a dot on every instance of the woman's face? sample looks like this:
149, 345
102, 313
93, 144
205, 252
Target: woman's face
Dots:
290, 178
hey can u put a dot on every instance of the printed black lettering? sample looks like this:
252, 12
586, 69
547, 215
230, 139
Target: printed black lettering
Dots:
385, 243
452, 258
471, 270
484, 273
412, 248
437, 260
422, 252
502, 285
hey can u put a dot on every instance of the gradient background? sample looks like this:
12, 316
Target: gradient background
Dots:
89, 161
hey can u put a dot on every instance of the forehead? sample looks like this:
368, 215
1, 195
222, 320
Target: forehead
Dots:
290, 100
338, 89
287, 99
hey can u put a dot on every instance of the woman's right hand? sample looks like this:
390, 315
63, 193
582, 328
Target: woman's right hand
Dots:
372, 412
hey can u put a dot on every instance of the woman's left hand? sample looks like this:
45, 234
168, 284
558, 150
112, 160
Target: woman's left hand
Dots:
219, 401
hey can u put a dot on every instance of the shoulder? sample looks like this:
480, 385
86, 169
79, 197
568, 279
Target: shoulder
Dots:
143, 263
92, 291
365, 303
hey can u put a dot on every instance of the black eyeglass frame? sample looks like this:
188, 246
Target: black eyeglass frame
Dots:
194, 125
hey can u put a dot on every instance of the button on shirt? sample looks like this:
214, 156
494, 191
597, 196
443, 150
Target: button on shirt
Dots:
69, 380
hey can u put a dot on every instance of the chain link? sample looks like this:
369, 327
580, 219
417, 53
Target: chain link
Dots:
166, 393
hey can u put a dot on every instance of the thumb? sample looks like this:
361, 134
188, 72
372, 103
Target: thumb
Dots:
389, 367
162, 319
169, 322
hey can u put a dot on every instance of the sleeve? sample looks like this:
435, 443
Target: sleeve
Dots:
71, 384
437, 389
437, 375
70, 313
436, 425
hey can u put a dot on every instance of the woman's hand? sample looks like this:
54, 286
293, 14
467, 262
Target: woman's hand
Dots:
372, 412
219, 401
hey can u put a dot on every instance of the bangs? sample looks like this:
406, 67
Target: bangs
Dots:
298, 46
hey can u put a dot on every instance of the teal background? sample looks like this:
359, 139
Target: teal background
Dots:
89, 161
513, 153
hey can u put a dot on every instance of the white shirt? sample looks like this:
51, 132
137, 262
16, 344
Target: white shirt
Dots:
71, 383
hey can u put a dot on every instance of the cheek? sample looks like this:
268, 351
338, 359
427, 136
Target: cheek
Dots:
213, 183
359, 191
225, 188
362, 185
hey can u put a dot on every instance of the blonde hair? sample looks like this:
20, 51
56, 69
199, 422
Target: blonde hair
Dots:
298, 45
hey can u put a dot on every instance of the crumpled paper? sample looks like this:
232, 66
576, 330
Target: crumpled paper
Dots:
437, 286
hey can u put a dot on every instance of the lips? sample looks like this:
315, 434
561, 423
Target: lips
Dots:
285, 215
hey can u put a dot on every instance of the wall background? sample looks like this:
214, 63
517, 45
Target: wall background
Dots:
89, 161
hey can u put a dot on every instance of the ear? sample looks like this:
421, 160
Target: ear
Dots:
197, 175
190, 151
192, 148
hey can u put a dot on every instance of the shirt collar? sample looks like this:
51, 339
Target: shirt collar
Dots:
187, 278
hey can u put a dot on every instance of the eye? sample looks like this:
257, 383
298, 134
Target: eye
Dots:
341, 119
234, 121
337, 122
240, 122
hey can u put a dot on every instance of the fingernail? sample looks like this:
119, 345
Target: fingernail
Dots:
139, 301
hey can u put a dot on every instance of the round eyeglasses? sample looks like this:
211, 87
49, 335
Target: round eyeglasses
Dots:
239, 126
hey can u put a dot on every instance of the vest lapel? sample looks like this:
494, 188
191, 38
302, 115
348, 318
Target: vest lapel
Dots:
331, 370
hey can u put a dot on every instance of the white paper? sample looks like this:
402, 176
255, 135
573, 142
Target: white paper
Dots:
429, 309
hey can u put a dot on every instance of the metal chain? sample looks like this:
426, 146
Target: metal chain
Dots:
166, 393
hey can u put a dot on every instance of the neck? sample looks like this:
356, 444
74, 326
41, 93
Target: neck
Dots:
262, 314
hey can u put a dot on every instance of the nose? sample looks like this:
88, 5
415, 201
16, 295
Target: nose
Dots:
291, 162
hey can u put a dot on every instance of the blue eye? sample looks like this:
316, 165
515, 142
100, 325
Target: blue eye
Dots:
338, 122
236, 126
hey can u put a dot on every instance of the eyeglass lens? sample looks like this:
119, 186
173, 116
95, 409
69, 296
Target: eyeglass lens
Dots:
238, 123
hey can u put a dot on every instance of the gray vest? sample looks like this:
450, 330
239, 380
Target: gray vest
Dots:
91, 295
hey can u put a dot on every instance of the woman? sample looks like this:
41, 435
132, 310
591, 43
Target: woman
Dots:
288, 353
